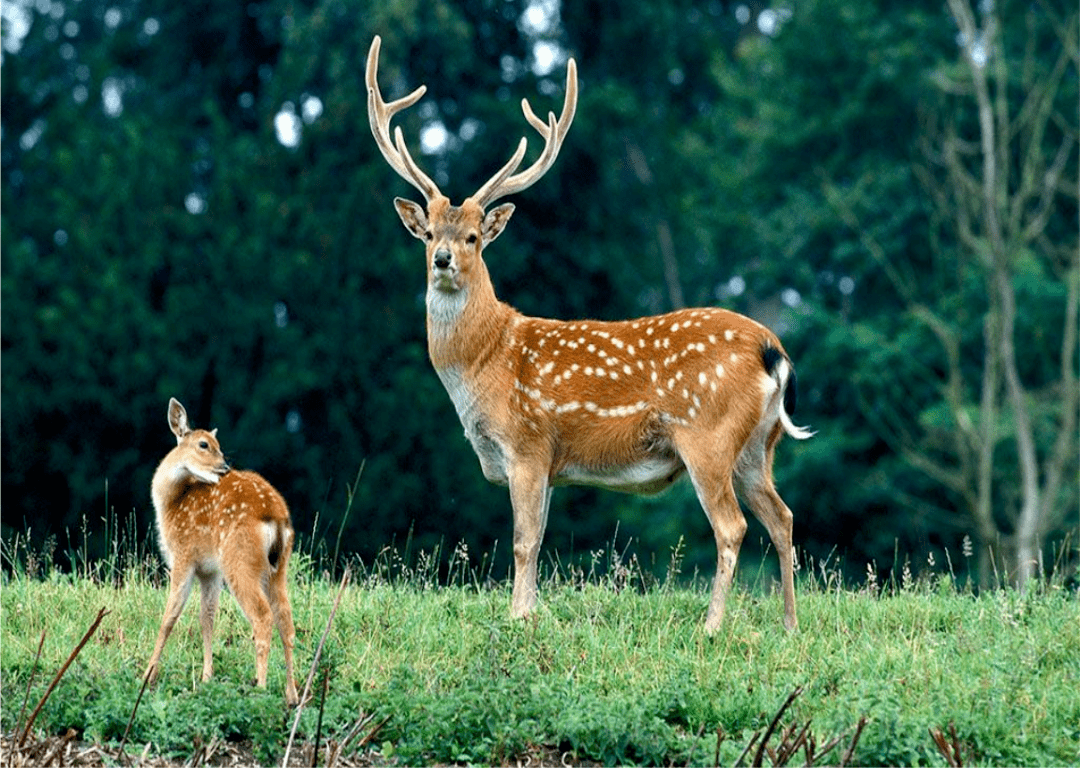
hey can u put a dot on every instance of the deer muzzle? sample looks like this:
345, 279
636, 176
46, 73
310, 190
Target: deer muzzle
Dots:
442, 258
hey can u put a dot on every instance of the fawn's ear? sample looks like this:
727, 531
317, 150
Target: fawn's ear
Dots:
412, 216
178, 422
495, 221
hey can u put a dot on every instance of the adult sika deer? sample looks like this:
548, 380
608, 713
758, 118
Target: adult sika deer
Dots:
627, 405
218, 523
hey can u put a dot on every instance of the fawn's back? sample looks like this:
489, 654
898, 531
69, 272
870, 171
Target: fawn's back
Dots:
241, 515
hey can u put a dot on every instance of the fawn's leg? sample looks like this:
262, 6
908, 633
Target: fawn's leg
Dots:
278, 595
245, 582
180, 579
210, 592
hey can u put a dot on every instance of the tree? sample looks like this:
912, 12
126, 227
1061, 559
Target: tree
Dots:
1009, 204
160, 237
999, 155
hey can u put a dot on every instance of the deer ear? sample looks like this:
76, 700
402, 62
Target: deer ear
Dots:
412, 216
178, 422
495, 221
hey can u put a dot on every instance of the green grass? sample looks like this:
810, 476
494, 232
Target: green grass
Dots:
613, 668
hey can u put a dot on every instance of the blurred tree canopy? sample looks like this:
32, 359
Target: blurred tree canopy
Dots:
193, 206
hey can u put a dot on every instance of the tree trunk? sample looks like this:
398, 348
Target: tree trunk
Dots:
1027, 526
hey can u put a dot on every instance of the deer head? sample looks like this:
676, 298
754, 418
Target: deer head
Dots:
197, 452
455, 235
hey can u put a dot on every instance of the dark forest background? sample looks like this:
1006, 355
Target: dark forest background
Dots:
193, 206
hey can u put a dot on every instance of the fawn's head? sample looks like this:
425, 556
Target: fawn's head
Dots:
197, 452
455, 235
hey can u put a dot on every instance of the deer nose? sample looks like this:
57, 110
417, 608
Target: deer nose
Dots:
442, 258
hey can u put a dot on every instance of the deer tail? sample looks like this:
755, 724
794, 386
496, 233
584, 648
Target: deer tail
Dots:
779, 367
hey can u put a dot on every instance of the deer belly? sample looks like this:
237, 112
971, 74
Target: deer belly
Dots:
647, 476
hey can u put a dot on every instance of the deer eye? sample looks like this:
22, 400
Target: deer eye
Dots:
204, 445
471, 239
428, 236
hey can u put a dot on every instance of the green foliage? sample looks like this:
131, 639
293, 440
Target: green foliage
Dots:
158, 240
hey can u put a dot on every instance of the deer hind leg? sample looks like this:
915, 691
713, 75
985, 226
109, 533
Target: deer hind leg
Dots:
278, 594
210, 585
711, 474
530, 495
754, 483
246, 583
181, 578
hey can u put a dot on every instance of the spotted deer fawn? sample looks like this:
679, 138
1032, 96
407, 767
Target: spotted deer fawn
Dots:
218, 523
628, 406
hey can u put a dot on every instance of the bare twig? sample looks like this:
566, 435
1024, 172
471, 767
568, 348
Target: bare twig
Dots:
719, 741
693, 745
772, 725
30, 681
59, 747
791, 743
854, 740
314, 665
93, 628
826, 748
950, 750
138, 700
322, 707
373, 732
749, 746
349, 736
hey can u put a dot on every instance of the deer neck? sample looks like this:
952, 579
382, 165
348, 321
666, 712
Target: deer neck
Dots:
171, 480
466, 327
467, 330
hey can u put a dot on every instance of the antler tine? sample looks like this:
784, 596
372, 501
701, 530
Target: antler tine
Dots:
486, 193
553, 132
379, 114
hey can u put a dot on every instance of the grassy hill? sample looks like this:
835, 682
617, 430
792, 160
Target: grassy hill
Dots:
613, 669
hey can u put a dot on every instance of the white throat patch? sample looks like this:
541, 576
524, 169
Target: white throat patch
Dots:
444, 309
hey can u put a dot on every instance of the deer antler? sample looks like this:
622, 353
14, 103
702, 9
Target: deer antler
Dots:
379, 114
502, 183
553, 131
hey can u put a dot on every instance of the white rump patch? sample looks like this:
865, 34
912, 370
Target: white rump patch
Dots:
269, 535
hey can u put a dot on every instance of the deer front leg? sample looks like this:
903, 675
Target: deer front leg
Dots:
180, 580
530, 494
